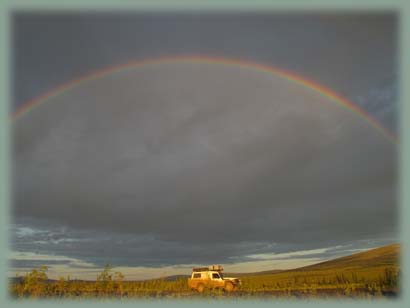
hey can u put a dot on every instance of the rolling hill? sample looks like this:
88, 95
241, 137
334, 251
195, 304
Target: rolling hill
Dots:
386, 256
377, 257
379, 266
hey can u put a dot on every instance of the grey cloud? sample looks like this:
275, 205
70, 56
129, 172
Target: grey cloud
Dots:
381, 101
200, 156
100, 248
349, 53
34, 263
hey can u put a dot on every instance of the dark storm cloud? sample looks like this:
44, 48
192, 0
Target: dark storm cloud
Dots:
58, 245
34, 263
202, 173
349, 53
100, 248
381, 101
176, 162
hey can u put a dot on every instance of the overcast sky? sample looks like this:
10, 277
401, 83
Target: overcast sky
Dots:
157, 168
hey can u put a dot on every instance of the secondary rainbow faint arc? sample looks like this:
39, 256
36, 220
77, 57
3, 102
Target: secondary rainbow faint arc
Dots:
212, 60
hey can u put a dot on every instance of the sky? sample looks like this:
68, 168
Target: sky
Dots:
158, 168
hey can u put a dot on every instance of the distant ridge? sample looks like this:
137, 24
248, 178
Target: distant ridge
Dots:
269, 272
381, 256
376, 257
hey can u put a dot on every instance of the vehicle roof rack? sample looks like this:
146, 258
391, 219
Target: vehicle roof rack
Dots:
209, 268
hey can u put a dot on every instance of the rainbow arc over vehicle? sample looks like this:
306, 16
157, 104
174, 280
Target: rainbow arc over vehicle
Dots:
263, 68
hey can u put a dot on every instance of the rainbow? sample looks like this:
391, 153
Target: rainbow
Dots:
292, 77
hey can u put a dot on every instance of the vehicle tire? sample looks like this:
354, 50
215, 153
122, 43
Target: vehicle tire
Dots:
228, 287
200, 288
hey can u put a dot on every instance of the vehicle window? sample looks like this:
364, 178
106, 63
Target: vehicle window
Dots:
197, 275
215, 276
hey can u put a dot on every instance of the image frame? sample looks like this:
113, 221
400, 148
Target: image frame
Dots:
402, 8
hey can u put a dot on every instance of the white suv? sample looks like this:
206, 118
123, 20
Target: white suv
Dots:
211, 277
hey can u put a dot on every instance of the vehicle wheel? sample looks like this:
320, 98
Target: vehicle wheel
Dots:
229, 287
200, 288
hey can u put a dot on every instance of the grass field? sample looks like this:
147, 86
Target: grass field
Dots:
370, 274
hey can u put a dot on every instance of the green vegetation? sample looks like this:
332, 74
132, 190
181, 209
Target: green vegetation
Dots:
373, 273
